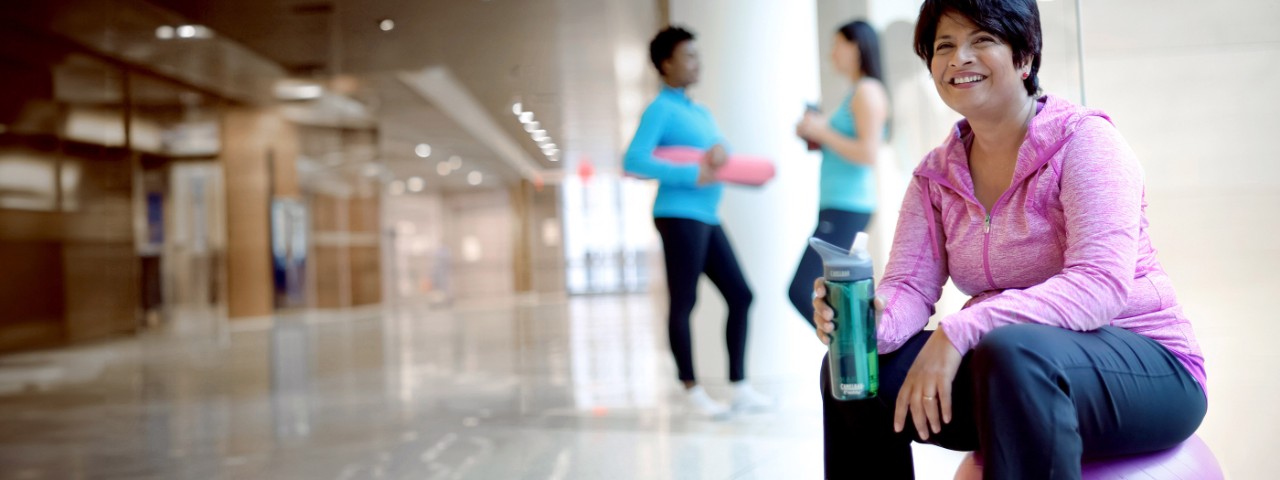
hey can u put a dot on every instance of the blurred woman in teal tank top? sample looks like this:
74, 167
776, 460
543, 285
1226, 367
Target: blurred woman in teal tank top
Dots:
850, 139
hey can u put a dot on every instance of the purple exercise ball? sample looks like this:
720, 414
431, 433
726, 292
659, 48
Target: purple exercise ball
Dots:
1190, 460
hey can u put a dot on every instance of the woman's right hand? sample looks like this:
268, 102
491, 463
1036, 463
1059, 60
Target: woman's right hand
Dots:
710, 164
823, 314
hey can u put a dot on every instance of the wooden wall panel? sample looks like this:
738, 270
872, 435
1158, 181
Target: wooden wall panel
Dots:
251, 137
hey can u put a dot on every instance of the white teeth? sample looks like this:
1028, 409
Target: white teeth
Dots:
963, 80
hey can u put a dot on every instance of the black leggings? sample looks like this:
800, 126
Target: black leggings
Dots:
837, 227
690, 249
1034, 399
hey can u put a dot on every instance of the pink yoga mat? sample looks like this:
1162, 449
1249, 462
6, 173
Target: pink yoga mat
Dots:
740, 169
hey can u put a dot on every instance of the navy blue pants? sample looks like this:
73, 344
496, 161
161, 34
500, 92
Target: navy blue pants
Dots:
837, 227
690, 249
1034, 399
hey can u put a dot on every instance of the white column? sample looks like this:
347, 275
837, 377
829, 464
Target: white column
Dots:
759, 68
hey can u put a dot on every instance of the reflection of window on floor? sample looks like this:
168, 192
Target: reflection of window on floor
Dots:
609, 237
612, 350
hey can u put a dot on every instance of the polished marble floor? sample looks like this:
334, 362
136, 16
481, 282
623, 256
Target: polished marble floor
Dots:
548, 388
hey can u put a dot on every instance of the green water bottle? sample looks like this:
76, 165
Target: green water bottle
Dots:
852, 355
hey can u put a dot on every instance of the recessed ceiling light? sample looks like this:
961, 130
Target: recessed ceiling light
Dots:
167, 32
386, 24
443, 168
475, 178
422, 150
517, 108
416, 184
526, 117
531, 126
396, 187
289, 89
455, 162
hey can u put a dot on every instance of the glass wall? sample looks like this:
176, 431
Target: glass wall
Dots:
109, 194
66, 231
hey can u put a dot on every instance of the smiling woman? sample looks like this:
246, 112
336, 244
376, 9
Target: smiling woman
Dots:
1073, 345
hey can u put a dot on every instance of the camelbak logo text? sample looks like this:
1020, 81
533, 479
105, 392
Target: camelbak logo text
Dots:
840, 273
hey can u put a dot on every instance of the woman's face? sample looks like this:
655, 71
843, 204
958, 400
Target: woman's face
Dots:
845, 56
972, 69
681, 70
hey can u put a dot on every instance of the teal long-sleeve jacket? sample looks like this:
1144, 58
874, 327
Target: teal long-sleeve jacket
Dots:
673, 119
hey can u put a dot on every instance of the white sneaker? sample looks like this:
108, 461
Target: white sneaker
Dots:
747, 399
698, 401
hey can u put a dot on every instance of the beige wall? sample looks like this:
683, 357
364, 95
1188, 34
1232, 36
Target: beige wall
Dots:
1196, 105
539, 249
480, 233
1190, 86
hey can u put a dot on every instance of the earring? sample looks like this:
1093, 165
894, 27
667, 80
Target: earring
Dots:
1025, 75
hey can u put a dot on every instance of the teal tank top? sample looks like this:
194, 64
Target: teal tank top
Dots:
845, 185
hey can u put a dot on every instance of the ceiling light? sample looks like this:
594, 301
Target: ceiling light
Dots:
526, 117
194, 31
386, 24
422, 150
531, 126
443, 168
517, 108
396, 187
455, 162
416, 184
288, 89
475, 178
167, 32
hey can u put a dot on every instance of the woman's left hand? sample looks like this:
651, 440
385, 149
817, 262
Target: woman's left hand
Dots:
926, 392
811, 127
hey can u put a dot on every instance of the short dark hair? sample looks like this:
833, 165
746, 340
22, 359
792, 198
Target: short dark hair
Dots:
1015, 22
664, 45
861, 33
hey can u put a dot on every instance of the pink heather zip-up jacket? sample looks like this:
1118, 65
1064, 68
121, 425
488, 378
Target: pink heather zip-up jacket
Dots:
1066, 245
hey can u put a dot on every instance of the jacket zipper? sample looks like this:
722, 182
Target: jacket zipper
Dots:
986, 223
986, 246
